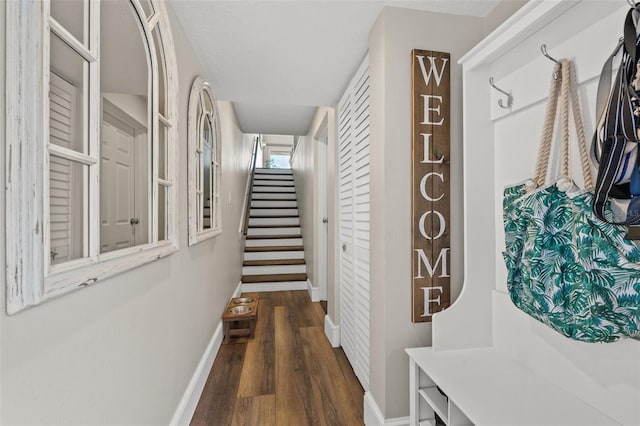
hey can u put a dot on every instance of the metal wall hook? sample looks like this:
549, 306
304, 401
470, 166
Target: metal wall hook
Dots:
508, 94
543, 49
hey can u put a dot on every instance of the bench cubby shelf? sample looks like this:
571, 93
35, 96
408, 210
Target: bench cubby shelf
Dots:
486, 387
429, 400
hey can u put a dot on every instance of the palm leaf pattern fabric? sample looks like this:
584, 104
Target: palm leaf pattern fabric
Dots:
568, 269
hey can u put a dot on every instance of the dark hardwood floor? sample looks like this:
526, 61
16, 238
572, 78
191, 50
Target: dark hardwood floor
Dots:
288, 374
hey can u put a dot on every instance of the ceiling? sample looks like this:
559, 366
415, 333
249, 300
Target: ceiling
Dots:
278, 60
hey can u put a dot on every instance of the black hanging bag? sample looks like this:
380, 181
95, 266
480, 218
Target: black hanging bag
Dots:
615, 142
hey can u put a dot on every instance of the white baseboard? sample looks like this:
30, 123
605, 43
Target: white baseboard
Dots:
189, 401
373, 416
332, 331
283, 286
191, 396
314, 292
238, 290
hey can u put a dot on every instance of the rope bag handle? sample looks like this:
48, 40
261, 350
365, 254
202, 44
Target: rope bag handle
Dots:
563, 93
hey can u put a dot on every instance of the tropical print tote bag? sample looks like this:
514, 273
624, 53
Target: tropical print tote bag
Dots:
566, 268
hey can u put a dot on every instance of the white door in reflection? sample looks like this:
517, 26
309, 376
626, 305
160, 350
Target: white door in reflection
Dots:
123, 153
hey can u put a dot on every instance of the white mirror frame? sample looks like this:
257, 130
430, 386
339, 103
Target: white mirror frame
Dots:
29, 281
196, 234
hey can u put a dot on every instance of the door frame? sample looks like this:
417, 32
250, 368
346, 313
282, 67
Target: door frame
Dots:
321, 207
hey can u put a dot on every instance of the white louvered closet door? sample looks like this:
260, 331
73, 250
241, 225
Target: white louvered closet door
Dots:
353, 163
345, 188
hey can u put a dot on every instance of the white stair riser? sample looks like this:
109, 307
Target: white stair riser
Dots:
255, 221
272, 176
257, 189
273, 183
273, 212
274, 231
274, 196
274, 269
275, 286
273, 255
269, 242
274, 171
276, 204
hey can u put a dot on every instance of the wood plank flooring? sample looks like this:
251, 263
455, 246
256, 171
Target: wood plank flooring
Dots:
288, 374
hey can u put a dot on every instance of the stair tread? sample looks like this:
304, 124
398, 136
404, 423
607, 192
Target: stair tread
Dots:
268, 177
271, 182
272, 199
274, 226
272, 237
273, 278
273, 262
279, 216
275, 192
273, 248
277, 202
274, 208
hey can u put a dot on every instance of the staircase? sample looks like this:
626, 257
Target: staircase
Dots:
273, 254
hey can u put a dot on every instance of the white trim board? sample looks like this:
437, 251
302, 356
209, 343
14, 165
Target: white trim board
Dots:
332, 332
373, 416
189, 401
274, 286
314, 292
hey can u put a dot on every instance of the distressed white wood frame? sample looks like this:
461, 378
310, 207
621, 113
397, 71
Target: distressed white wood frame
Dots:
197, 232
30, 279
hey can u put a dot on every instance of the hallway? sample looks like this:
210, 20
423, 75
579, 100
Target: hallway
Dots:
287, 375
137, 203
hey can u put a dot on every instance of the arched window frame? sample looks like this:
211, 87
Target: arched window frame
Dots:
198, 112
30, 278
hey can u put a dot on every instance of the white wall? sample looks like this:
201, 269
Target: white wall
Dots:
275, 145
2, 208
305, 167
500, 13
302, 163
392, 38
123, 351
134, 105
278, 140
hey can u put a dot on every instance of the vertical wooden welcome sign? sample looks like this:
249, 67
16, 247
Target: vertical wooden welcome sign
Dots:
430, 97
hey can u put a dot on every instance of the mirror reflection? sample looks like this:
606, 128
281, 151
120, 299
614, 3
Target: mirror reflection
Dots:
125, 149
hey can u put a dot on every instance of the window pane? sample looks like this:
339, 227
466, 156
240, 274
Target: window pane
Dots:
208, 105
70, 14
67, 215
199, 224
162, 91
125, 149
216, 142
162, 212
280, 161
67, 99
207, 159
162, 151
147, 7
